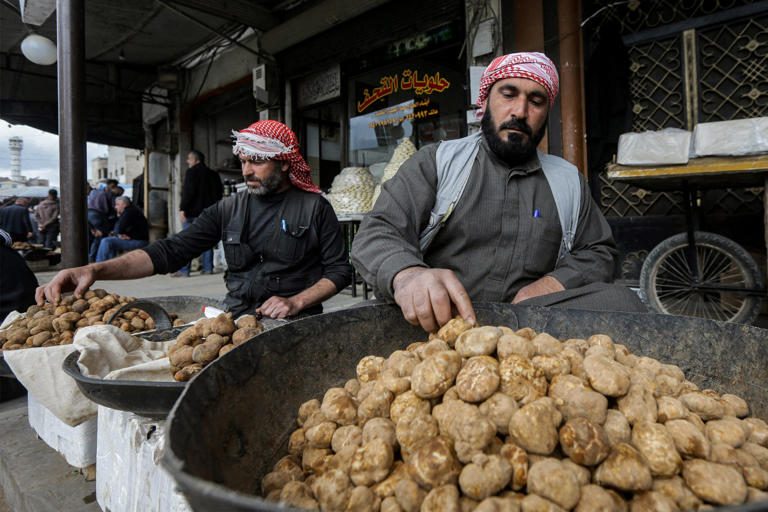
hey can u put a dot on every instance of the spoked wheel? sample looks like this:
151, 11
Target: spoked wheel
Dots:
724, 268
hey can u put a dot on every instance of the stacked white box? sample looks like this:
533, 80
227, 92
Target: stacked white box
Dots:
670, 146
732, 138
76, 444
128, 475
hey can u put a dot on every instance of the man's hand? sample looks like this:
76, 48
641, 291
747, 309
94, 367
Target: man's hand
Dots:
124, 237
97, 233
78, 279
542, 286
182, 217
428, 297
279, 307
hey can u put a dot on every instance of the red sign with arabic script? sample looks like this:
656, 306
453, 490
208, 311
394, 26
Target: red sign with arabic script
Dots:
409, 79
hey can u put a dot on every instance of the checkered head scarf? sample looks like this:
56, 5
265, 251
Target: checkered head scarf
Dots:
272, 140
531, 65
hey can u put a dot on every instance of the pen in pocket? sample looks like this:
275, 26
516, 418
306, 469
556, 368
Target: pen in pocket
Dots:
283, 225
536, 213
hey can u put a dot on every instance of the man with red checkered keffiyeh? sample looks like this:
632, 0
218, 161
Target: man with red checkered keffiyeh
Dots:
282, 241
488, 218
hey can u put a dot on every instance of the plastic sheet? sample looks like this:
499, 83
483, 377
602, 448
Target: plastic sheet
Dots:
670, 146
732, 138
128, 477
76, 444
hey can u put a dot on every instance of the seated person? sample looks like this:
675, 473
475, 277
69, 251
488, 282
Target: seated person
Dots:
131, 231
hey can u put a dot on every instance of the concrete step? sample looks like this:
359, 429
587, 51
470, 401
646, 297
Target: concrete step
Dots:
33, 477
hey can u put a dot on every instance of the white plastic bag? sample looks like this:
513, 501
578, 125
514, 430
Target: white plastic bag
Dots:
670, 146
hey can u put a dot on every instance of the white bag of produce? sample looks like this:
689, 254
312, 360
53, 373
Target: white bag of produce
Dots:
670, 146
732, 138
352, 191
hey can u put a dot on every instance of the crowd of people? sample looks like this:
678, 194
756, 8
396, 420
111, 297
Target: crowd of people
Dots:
115, 224
35, 223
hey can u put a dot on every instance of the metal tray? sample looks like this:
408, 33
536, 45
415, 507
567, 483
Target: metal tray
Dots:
186, 307
145, 398
151, 399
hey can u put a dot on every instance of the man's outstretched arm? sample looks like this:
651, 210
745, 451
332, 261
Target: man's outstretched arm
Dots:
132, 265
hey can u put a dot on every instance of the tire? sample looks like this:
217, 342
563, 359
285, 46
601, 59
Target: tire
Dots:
665, 274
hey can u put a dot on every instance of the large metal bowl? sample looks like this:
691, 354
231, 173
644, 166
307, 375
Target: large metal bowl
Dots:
233, 420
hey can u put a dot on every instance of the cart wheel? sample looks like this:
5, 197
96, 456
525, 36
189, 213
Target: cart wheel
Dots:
666, 279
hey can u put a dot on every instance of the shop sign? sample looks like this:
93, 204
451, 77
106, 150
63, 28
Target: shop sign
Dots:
409, 80
318, 87
407, 112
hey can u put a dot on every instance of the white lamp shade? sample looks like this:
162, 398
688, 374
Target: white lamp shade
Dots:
39, 49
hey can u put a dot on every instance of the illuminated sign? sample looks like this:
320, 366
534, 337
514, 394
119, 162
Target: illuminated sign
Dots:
408, 80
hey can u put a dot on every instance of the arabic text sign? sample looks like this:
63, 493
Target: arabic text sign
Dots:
408, 80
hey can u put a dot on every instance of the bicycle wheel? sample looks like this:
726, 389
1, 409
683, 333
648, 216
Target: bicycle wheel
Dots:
667, 283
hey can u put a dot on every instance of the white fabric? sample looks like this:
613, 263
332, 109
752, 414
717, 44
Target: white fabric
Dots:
106, 352
39, 370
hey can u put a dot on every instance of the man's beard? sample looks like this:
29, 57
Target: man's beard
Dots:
269, 186
516, 149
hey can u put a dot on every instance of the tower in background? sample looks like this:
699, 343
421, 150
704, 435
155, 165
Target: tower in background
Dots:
16, 144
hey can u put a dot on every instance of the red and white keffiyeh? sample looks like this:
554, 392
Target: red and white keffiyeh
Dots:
531, 65
272, 140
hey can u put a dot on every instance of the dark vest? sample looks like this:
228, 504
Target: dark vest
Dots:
256, 274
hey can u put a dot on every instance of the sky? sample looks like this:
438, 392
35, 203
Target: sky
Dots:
40, 156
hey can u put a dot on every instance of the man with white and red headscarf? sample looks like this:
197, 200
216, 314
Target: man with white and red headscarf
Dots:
282, 241
488, 218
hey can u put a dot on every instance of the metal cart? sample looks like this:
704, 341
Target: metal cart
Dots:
698, 273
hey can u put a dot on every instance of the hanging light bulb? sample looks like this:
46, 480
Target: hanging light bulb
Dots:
39, 49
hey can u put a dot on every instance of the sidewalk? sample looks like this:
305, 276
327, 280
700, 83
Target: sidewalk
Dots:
33, 477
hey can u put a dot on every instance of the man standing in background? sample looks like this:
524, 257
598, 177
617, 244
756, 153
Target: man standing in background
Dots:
202, 188
47, 215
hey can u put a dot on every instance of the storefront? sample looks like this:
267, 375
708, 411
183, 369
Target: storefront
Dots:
354, 110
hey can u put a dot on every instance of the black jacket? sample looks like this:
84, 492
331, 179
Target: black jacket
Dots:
133, 223
202, 188
17, 282
15, 220
282, 259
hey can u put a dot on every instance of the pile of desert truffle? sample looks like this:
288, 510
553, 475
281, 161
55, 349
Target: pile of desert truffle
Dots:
207, 340
491, 419
56, 324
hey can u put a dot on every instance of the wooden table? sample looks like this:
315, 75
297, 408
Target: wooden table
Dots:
700, 174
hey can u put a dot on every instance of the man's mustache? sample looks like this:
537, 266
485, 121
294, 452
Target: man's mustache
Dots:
517, 124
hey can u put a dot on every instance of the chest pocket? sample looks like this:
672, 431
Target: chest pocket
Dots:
293, 244
233, 251
543, 246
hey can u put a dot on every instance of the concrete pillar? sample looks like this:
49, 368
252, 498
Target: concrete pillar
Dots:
572, 83
529, 35
70, 28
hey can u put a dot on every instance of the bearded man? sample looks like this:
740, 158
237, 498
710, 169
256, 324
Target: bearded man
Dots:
282, 241
488, 218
